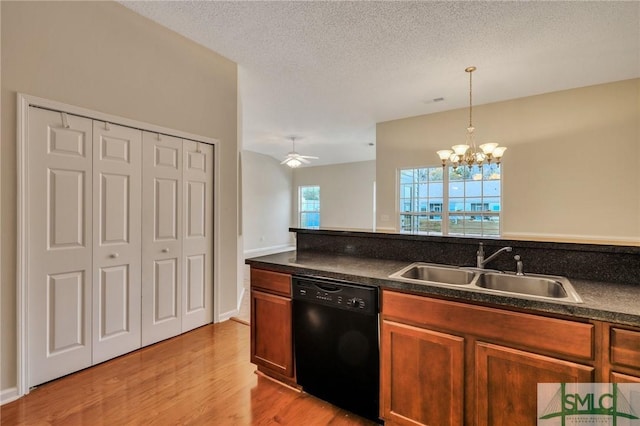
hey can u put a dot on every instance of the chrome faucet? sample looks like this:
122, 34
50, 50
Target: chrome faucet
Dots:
481, 261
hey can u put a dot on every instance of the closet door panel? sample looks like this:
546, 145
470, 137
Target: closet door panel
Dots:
197, 246
117, 243
161, 237
59, 259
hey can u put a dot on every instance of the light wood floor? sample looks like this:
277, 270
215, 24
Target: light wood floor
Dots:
203, 377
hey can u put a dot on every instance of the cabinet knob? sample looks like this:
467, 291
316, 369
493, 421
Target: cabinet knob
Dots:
114, 255
165, 250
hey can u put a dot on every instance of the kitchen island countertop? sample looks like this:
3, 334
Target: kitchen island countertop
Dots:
612, 302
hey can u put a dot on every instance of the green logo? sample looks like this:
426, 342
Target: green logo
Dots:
590, 401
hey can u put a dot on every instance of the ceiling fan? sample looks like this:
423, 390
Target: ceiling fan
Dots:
294, 159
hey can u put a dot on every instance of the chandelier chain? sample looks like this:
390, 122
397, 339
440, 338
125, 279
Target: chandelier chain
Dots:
470, 98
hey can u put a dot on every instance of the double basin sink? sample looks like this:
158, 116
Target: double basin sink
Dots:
533, 286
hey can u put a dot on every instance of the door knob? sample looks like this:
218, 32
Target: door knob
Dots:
114, 255
165, 250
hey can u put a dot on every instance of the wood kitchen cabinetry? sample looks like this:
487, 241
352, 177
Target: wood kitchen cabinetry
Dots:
506, 382
422, 375
624, 355
271, 330
451, 363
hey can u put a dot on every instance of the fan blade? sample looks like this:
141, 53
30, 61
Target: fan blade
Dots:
310, 157
303, 160
284, 161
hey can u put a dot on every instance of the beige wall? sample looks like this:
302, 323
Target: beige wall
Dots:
102, 56
266, 203
346, 193
588, 190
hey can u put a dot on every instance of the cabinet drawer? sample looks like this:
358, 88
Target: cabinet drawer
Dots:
272, 282
569, 338
625, 347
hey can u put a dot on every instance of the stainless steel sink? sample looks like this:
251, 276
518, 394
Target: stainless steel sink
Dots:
532, 286
436, 274
539, 286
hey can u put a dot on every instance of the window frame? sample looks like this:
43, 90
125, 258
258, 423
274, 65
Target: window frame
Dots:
301, 212
444, 214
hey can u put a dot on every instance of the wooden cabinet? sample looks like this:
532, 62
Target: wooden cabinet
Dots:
506, 382
422, 375
451, 363
624, 355
271, 330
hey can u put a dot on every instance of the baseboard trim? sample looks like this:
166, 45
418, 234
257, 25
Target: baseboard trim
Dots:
263, 251
8, 395
238, 320
227, 315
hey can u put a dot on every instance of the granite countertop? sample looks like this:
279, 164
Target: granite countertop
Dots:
612, 302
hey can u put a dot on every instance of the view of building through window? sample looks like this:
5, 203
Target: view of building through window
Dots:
444, 201
309, 206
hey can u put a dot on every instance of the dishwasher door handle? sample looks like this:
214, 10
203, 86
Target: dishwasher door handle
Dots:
327, 287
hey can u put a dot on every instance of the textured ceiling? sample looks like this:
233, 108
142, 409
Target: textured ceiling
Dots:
328, 71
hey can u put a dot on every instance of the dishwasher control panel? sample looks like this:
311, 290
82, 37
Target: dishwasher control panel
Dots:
338, 294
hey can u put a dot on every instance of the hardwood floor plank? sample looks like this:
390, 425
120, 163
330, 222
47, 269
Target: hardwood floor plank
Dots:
203, 377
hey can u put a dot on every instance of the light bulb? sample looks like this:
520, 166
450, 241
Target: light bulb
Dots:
293, 163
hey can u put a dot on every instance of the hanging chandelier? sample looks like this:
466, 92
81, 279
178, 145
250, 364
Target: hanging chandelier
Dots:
468, 154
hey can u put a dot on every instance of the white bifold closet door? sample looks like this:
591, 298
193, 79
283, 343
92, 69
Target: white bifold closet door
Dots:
117, 191
60, 244
120, 240
177, 232
197, 240
162, 237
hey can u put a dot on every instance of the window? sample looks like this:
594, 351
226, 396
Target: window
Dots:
439, 201
309, 206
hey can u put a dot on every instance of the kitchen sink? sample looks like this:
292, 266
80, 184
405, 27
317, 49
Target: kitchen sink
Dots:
437, 274
547, 287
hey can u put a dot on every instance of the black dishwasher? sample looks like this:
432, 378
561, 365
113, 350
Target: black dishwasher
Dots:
335, 326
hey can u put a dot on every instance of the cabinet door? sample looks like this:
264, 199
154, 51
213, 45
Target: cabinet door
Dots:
507, 383
616, 377
624, 355
271, 341
422, 376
